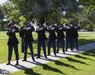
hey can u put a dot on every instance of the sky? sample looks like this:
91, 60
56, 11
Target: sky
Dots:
2, 1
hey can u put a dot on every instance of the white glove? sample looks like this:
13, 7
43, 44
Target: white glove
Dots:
28, 28
13, 30
68, 27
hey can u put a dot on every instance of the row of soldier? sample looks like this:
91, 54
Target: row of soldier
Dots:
53, 40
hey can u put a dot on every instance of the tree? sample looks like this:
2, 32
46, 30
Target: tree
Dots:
48, 9
11, 11
51, 10
1, 18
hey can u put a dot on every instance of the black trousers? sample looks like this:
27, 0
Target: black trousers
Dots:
75, 42
69, 41
22, 45
41, 43
52, 42
60, 41
10, 50
28, 44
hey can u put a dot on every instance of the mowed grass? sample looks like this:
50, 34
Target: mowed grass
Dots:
81, 64
84, 38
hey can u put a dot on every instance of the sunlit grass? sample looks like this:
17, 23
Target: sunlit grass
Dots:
81, 64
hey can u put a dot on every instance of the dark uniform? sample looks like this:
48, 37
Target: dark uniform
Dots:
28, 39
52, 39
12, 43
60, 38
21, 33
41, 40
69, 38
75, 36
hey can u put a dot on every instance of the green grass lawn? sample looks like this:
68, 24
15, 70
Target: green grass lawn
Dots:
84, 37
81, 64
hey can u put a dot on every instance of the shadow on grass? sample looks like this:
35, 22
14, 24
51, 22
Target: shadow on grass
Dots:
82, 57
4, 72
78, 56
27, 71
74, 60
49, 68
64, 64
20, 67
31, 72
89, 53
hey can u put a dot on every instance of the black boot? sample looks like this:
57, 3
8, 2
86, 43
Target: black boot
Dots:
63, 52
33, 59
66, 49
17, 63
57, 51
8, 62
45, 56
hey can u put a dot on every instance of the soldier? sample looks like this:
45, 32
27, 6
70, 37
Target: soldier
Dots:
21, 33
12, 43
69, 38
52, 39
28, 39
75, 35
60, 38
41, 39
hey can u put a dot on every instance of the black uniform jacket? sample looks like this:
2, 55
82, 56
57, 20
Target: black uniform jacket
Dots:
41, 33
28, 34
51, 31
60, 32
12, 37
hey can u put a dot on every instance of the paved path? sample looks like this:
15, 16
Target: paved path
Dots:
29, 63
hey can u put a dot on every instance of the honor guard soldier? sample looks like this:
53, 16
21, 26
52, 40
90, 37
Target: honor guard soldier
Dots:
75, 35
69, 38
21, 33
41, 39
28, 40
60, 38
52, 39
12, 43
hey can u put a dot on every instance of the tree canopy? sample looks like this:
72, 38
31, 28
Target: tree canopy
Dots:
51, 10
